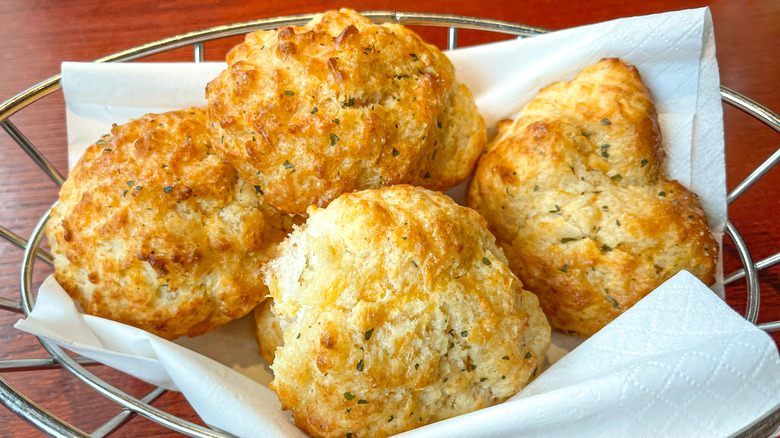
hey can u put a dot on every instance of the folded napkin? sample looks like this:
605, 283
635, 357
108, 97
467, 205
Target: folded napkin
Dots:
679, 363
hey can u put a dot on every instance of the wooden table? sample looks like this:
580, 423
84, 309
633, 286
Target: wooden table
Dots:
38, 35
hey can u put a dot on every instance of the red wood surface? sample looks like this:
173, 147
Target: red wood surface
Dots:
37, 35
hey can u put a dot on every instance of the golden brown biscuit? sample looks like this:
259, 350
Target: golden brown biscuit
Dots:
574, 192
152, 229
267, 330
340, 104
398, 310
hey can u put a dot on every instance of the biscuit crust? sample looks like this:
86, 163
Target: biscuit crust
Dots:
340, 104
574, 192
398, 310
152, 229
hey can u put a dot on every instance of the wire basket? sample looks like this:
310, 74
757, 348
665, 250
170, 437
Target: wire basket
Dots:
54, 426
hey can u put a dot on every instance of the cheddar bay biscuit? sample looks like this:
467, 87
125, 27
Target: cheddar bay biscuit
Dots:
340, 104
398, 310
152, 229
574, 192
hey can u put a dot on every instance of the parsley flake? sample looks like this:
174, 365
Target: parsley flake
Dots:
368, 334
528, 355
336, 121
483, 379
486, 261
362, 401
536, 188
288, 165
101, 142
605, 121
395, 152
130, 183
289, 93
464, 333
661, 193
360, 365
643, 163
349, 396
333, 139
557, 209
604, 150
617, 178
259, 190
505, 358
168, 189
348, 103
314, 110
564, 269
568, 239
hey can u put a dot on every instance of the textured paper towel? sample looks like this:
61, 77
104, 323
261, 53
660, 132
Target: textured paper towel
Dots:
659, 369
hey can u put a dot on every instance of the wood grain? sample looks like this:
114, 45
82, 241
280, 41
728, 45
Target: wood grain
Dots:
38, 35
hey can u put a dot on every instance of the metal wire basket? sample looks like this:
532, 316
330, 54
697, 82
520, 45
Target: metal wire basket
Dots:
54, 426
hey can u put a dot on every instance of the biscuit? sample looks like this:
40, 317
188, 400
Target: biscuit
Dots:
267, 331
340, 104
574, 192
398, 310
152, 229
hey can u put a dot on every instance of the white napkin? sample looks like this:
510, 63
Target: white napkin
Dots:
669, 366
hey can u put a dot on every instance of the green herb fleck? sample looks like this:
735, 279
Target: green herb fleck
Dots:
617, 222
391, 419
360, 365
348, 103
349, 396
605, 207
139, 187
690, 216
585, 134
427, 175
617, 178
168, 189
298, 337
503, 377
164, 166
505, 358
362, 401
314, 110
483, 379
289, 93
486, 261
464, 333
414, 263
124, 193
643, 163
101, 142
536, 188
611, 300
564, 269
528, 355
568, 239
605, 248
445, 379
605, 121
130, 183
368, 334
395, 152
107, 149
288, 165
259, 190
414, 56
507, 192
333, 139
349, 435
604, 150
336, 121
557, 209
416, 366
661, 193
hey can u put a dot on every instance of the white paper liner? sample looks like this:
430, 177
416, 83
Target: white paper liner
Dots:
679, 363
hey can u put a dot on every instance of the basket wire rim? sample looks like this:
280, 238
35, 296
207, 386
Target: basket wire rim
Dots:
52, 425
